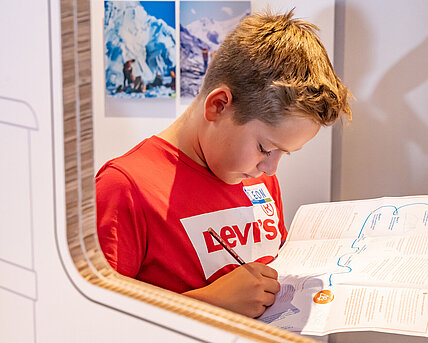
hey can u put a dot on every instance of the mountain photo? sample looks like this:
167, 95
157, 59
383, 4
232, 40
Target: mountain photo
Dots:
203, 26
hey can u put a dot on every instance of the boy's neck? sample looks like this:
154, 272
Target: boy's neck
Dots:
183, 133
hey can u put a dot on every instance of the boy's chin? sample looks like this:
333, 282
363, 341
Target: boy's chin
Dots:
234, 180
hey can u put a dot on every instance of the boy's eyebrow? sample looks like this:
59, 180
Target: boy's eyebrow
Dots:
283, 149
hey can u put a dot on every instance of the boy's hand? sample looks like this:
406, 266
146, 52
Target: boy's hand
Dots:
247, 290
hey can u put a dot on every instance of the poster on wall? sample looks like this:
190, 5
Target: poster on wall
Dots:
203, 26
139, 55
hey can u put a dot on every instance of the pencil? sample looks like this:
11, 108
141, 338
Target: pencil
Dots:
226, 246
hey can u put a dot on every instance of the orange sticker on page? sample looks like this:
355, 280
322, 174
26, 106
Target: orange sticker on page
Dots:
323, 297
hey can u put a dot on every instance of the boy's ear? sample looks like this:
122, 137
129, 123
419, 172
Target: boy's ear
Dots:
217, 102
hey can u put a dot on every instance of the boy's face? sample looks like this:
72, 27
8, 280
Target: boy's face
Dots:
235, 152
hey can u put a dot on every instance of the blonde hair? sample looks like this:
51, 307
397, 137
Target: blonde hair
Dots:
275, 66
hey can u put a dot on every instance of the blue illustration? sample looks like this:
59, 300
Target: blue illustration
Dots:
358, 245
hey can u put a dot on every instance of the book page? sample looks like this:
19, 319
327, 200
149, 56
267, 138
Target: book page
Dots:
356, 219
394, 262
394, 310
302, 308
367, 260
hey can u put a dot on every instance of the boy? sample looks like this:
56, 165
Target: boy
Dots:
268, 90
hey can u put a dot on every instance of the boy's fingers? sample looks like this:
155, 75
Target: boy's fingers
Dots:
272, 286
269, 299
269, 272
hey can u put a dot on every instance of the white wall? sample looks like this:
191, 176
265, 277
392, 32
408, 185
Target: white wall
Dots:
385, 149
304, 177
381, 50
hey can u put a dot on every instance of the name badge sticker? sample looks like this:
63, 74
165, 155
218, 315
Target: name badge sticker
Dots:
258, 194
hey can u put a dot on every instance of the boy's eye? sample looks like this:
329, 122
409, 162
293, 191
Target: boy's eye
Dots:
263, 151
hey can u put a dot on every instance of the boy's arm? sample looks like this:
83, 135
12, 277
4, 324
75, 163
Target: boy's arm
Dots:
248, 290
119, 228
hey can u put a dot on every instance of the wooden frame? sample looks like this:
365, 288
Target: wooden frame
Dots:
80, 196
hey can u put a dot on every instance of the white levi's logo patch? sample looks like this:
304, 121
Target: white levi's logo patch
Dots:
252, 231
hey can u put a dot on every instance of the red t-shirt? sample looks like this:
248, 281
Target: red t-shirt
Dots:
155, 204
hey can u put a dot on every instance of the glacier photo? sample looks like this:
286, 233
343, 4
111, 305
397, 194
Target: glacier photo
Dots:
140, 49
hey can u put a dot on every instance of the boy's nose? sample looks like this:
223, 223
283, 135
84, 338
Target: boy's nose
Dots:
269, 165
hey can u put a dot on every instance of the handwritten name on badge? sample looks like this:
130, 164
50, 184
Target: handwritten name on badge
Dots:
258, 194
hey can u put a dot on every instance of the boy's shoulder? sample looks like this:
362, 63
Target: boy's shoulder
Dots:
137, 161
146, 152
155, 161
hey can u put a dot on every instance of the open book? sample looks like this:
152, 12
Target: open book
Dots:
355, 265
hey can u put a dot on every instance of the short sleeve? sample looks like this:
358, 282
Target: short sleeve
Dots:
120, 223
